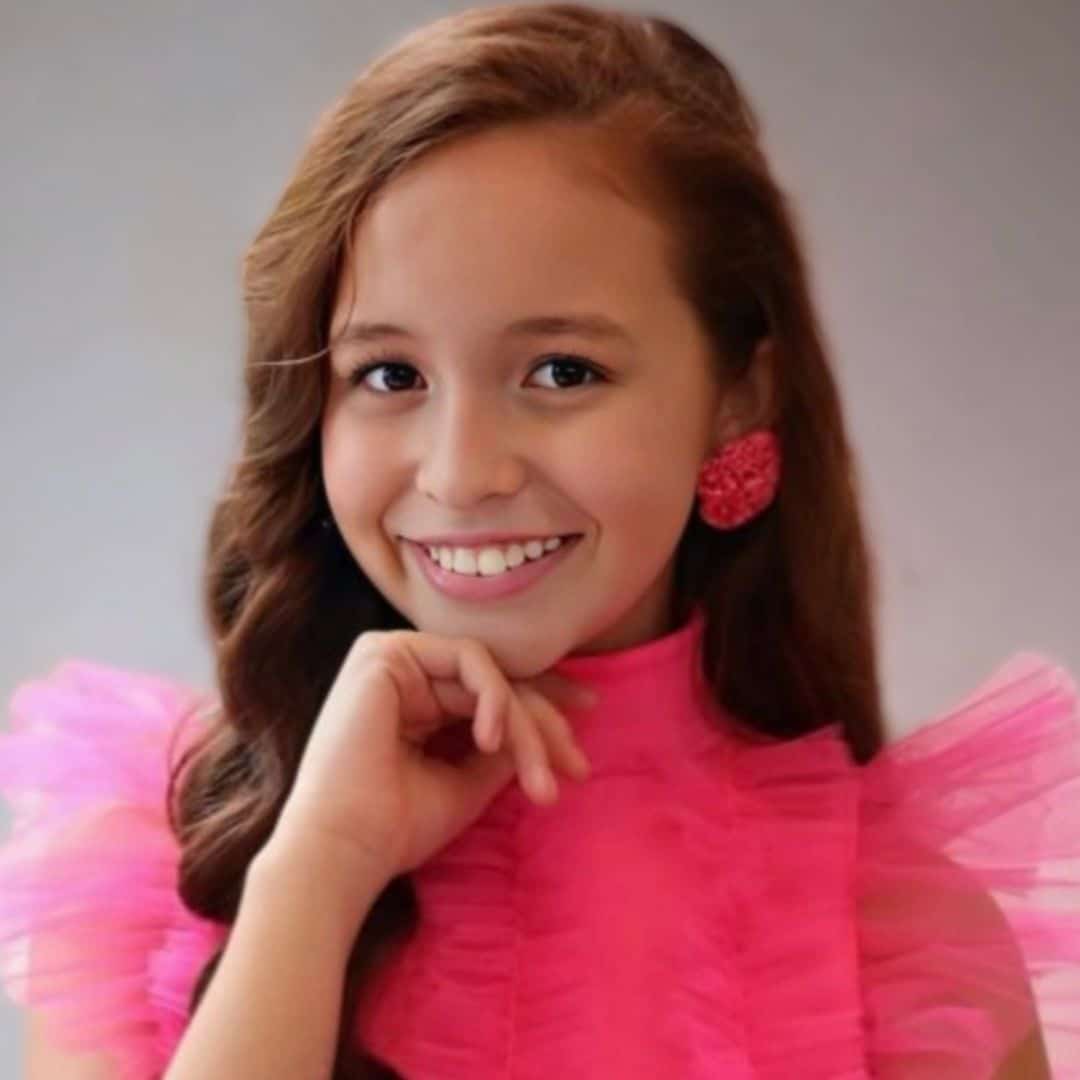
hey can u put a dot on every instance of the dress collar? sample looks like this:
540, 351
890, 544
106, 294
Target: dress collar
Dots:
653, 703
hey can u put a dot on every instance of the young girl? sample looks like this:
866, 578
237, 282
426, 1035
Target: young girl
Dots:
548, 734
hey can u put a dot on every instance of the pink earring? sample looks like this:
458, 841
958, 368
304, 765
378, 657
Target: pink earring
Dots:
739, 481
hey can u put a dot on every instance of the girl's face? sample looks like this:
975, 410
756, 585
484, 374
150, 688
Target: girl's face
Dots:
472, 424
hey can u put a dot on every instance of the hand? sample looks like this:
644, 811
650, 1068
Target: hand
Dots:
366, 788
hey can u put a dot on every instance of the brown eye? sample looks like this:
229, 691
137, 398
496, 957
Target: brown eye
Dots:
567, 371
397, 375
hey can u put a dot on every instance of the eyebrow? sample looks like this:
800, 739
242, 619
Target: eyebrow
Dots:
589, 324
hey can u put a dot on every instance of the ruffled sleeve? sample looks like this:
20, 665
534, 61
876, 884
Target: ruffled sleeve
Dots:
90, 919
968, 882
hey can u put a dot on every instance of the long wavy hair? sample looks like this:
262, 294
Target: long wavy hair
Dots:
788, 598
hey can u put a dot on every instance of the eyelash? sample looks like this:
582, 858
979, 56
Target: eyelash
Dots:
364, 368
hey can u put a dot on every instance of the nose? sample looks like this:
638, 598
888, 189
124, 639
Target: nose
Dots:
469, 453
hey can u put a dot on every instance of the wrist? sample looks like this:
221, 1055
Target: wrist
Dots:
320, 875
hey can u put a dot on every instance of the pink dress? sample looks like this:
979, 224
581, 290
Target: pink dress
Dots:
702, 906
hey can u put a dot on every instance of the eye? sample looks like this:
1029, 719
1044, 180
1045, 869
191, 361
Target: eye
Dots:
396, 368
566, 371
566, 367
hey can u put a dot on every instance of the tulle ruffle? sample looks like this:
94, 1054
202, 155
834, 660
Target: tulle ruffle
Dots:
962, 955
92, 932
710, 909
686, 917
909, 919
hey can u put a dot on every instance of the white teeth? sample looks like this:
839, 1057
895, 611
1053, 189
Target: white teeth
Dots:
489, 561
464, 561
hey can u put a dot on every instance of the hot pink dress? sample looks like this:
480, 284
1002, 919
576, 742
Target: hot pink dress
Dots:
703, 906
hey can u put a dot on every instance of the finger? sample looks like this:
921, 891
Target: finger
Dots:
548, 692
562, 744
502, 717
467, 660
563, 692
451, 700
446, 677
454, 699
523, 739
419, 711
457, 701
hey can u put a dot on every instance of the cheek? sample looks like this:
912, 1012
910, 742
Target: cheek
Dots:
637, 478
353, 486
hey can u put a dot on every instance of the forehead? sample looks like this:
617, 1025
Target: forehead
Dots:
504, 216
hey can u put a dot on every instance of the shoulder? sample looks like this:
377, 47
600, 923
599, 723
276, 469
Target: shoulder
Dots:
88, 869
936, 939
964, 901
1028, 1060
965, 910
947, 896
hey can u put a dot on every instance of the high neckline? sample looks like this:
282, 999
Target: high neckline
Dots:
654, 707
675, 647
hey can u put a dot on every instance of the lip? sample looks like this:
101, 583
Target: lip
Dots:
477, 587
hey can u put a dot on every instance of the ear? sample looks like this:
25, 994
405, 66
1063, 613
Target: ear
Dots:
748, 403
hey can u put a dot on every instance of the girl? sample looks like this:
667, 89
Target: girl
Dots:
545, 479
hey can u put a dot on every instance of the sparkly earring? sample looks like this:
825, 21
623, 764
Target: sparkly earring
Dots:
739, 481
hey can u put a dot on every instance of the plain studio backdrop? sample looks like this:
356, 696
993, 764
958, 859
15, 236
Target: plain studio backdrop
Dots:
933, 153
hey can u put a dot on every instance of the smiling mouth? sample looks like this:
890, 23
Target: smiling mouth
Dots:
503, 582
565, 540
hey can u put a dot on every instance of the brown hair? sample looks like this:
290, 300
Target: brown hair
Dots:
788, 597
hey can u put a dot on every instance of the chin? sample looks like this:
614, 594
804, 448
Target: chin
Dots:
520, 662
521, 668
516, 657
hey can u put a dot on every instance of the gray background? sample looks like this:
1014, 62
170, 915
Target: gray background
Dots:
933, 151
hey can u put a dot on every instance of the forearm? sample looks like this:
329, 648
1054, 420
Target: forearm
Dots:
273, 1007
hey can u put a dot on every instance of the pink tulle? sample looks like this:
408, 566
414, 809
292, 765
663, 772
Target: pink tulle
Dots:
701, 907
92, 932
995, 785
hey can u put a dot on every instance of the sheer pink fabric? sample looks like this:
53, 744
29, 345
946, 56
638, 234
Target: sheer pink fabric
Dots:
92, 932
702, 906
